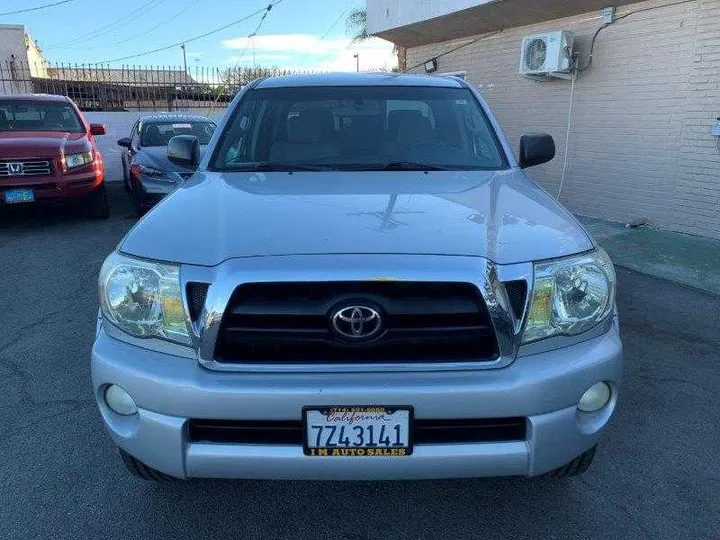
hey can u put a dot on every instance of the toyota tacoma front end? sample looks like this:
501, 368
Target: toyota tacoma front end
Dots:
360, 282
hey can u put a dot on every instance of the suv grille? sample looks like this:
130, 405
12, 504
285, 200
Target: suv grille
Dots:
291, 323
19, 167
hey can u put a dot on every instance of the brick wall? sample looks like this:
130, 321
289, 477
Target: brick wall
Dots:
640, 142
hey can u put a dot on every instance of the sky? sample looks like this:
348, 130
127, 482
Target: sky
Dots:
296, 34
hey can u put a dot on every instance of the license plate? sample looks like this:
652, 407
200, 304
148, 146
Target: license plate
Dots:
367, 431
18, 195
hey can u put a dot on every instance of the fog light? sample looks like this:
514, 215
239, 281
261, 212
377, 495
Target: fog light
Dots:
119, 400
595, 398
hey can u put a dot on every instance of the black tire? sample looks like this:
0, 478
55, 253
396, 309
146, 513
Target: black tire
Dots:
138, 200
98, 207
576, 467
139, 469
126, 178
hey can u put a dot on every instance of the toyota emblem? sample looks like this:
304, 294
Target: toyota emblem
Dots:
356, 322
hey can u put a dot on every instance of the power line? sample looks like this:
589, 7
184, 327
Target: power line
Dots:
35, 8
190, 40
251, 35
333, 25
142, 34
147, 6
461, 46
615, 19
251, 39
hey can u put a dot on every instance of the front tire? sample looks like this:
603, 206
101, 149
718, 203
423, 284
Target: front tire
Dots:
126, 178
99, 207
139, 469
576, 467
138, 200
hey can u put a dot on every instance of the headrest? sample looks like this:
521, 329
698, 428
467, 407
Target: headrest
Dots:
314, 125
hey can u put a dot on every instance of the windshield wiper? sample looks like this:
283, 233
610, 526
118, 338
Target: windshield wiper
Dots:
411, 166
270, 166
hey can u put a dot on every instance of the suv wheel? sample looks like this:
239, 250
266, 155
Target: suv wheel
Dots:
139, 469
98, 207
138, 201
576, 467
126, 178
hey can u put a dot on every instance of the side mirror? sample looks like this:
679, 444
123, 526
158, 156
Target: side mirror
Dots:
184, 150
536, 148
98, 129
124, 142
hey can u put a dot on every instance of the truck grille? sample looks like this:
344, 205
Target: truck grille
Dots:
292, 323
27, 167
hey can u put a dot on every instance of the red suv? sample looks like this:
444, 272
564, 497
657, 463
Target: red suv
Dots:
48, 154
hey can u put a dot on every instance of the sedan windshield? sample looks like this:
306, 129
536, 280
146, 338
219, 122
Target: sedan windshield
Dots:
358, 128
16, 115
160, 133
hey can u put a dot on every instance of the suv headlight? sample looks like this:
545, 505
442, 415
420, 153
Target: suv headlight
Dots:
142, 298
570, 295
73, 161
152, 172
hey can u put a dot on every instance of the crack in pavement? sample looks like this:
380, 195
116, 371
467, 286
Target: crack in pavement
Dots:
29, 400
42, 419
19, 370
29, 326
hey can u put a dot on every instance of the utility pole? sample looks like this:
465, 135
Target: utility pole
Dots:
356, 56
184, 57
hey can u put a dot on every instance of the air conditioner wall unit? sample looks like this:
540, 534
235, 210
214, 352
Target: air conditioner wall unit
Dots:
546, 54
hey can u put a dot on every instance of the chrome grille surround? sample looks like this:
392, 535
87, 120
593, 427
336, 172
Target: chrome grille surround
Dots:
11, 168
487, 276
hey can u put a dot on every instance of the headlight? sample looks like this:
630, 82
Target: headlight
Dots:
73, 161
570, 295
143, 298
152, 172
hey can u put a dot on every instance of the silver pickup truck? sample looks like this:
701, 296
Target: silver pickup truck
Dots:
359, 282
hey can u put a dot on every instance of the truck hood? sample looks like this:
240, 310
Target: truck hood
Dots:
500, 215
49, 144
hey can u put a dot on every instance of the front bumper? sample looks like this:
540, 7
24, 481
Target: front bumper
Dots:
544, 388
67, 188
152, 190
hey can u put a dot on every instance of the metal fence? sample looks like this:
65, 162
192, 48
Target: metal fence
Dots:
131, 88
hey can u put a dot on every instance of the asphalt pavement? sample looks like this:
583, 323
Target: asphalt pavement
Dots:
656, 475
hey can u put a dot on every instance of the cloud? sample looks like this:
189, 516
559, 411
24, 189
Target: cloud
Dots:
306, 51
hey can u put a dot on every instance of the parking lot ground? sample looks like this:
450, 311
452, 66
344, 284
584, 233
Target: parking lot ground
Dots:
689, 260
656, 475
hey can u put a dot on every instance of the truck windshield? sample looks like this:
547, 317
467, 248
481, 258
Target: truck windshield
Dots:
358, 128
16, 115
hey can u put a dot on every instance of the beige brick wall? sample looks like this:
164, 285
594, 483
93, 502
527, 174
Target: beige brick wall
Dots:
640, 142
